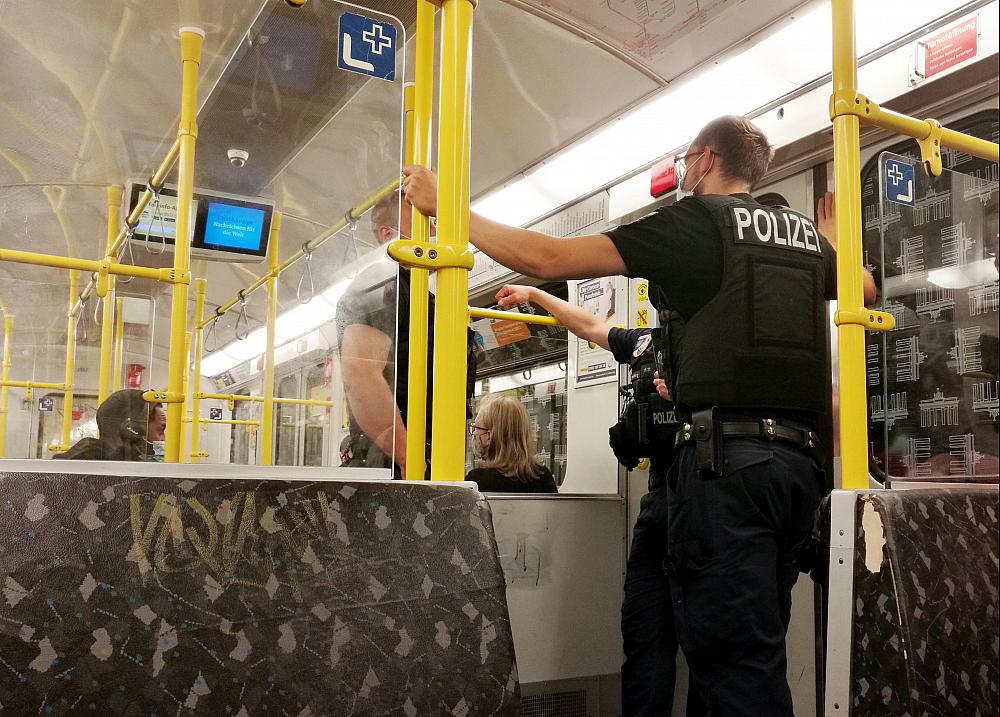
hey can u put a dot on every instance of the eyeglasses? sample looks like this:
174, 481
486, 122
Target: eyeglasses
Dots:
473, 428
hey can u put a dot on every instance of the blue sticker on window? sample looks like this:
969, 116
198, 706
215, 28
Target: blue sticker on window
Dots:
898, 182
367, 46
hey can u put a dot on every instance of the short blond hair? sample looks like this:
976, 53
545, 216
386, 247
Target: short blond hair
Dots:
511, 449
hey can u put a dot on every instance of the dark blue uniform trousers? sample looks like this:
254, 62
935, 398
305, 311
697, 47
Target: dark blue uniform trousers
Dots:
734, 543
648, 634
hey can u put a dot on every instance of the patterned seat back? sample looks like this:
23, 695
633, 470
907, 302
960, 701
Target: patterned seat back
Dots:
925, 638
161, 596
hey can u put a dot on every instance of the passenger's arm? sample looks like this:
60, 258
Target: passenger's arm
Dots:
579, 321
529, 252
364, 352
827, 225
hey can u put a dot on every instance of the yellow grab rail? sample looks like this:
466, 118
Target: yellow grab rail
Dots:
108, 309
33, 385
512, 316
310, 246
93, 265
199, 338
451, 305
204, 422
156, 183
70, 371
187, 132
848, 108
418, 142
267, 426
116, 370
260, 399
8, 341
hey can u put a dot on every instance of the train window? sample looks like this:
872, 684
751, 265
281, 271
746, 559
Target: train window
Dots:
542, 390
932, 381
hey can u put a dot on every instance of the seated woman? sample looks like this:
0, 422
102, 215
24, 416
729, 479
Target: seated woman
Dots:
130, 430
505, 445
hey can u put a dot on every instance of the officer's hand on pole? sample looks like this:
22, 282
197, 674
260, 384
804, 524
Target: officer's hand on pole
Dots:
419, 186
826, 219
512, 294
661, 386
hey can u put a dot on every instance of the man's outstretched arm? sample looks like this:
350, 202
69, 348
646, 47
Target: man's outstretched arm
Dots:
529, 252
578, 321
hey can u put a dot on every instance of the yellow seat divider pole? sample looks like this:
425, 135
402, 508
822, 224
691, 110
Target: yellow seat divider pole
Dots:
68, 377
108, 308
116, 370
191, 39
850, 296
199, 337
418, 140
451, 317
8, 340
267, 419
185, 456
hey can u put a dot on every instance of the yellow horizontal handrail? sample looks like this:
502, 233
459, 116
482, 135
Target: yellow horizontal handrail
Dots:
226, 421
929, 133
259, 399
34, 384
349, 218
156, 182
92, 265
512, 316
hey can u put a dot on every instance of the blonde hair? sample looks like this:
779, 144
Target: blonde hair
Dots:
511, 449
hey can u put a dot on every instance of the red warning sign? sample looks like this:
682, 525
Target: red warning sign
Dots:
951, 46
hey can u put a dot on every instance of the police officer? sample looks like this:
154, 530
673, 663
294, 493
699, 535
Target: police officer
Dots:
648, 636
745, 286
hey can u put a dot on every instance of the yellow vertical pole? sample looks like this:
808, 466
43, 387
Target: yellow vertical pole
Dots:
72, 318
451, 306
185, 455
418, 135
191, 39
116, 370
108, 313
267, 420
8, 340
850, 295
199, 335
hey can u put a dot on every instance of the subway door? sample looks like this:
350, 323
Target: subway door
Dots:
316, 436
287, 421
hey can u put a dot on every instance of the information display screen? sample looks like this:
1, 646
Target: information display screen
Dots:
229, 226
223, 227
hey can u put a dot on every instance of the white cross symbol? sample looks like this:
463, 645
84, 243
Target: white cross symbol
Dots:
895, 175
376, 39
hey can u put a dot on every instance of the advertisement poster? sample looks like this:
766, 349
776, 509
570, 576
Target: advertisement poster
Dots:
607, 299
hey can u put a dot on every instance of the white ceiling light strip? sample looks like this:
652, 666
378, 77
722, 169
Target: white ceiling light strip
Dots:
791, 55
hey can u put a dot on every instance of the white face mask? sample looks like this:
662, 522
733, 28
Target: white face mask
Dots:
683, 171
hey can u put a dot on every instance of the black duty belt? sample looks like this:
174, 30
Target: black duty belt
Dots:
706, 429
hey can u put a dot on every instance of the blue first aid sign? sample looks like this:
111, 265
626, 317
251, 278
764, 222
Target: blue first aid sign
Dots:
45, 404
367, 46
898, 182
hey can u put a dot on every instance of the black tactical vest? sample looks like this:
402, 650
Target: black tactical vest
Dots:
758, 343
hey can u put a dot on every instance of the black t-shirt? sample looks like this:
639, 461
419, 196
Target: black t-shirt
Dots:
491, 480
371, 300
679, 249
